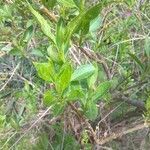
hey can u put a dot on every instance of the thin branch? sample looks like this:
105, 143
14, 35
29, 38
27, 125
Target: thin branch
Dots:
104, 118
29, 82
130, 40
49, 14
75, 57
30, 128
8, 140
137, 103
15, 69
123, 132
136, 85
82, 118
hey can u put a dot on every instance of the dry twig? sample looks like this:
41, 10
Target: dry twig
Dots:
15, 69
123, 132
45, 112
49, 14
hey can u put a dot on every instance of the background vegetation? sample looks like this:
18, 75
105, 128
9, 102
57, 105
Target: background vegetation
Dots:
74, 74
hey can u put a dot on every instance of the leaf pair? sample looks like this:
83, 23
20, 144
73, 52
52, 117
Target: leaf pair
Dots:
83, 72
63, 78
82, 21
46, 71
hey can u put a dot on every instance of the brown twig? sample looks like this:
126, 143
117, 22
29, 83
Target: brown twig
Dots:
79, 115
136, 85
43, 115
123, 132
15, 69
137, 103
83, 119
49, 14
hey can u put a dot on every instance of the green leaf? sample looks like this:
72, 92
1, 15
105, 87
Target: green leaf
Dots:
83, 72
91, 110
58, 108
51, 99
53, 53
67, 3
45, 71
75, 93
95, 24
83, 20
37, 52
93, 78
64, 78
147, 105
45, 26
60, 33
77, 3
49, 3
80, 4
14, 123
6, 12
16, 51
137, 60
28, 34
147, 46
48, 99
90, 15
101, 90
84, 26
2, 120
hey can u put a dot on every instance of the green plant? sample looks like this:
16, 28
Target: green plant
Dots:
84, 64
59, 71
